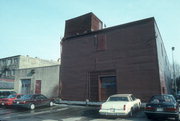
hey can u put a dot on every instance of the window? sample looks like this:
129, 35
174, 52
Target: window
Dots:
8, 73
4, 62
1, 63
42, 97
133, 98
118, 99
26, 97
19, 96
101, 42
160, 98
15, 60
8, 62
13, 72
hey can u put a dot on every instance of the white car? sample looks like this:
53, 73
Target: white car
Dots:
120, 105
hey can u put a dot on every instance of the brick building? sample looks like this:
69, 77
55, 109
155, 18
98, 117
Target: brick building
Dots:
97, 62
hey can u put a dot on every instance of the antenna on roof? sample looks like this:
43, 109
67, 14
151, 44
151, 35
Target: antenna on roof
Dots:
104, 25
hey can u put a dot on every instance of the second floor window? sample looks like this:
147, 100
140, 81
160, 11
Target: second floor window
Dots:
101, 42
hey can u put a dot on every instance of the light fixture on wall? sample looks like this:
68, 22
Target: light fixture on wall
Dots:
32, 71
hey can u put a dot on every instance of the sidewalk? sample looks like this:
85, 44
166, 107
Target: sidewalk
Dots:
87, 103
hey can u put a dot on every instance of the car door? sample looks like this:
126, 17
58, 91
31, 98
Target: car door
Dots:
44, 100
37, 100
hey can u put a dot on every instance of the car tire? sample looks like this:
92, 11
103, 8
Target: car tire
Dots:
149, 116
177, 118
32, 106
51, 104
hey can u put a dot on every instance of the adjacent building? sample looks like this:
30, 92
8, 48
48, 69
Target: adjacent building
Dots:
9, 65
97, 62
38, 80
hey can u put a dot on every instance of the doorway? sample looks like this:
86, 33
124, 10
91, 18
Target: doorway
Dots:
107, 87
38, 87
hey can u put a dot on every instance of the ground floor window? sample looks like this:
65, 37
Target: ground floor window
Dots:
25, 86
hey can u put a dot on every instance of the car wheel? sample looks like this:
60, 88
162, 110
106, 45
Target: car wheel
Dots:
51, 104
32, 106
177, 118
149, 116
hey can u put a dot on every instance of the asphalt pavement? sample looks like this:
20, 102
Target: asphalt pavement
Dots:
63, 112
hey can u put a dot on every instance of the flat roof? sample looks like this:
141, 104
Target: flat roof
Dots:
10, 57
121, 26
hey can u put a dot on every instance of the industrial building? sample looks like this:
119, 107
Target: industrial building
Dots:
97, 62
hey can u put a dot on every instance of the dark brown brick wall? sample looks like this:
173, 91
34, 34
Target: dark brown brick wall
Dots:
130, 51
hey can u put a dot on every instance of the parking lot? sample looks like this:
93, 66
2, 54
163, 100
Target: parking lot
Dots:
62, 112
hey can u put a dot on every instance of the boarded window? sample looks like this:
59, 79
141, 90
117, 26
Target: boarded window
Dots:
101, 42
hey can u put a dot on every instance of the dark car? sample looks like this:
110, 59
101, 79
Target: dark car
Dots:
162, 106
178, 98
31, 101
9, 100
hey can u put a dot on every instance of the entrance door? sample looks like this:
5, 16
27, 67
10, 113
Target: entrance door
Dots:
26, 86
107, 87
38, 87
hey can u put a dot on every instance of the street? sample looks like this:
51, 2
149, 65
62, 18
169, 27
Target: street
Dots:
62, 112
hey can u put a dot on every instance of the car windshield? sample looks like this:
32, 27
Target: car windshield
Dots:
161, 99
26, 97
11, 96
118, 99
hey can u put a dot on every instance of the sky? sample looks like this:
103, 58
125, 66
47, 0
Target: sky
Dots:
35, 27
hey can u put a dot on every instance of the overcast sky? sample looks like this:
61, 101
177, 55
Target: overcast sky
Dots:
34, 27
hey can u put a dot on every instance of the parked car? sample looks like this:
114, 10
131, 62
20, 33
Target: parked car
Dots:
162, 106
5, 94
120, 105
9, 100
31, 101
178, 98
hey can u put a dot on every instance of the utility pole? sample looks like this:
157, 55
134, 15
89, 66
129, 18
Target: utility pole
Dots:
174, 76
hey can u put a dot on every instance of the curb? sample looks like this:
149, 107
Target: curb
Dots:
87, 103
